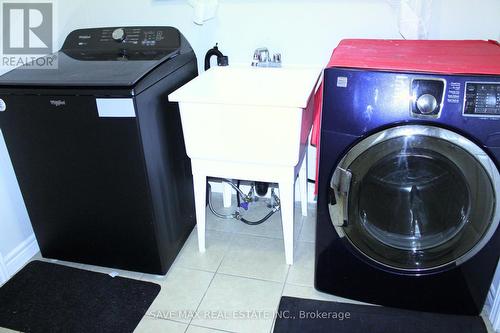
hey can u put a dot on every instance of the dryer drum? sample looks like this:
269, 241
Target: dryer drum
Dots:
420, 198
414, 187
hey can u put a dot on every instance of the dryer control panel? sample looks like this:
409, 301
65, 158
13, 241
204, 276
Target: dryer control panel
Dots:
482, 99
427, 97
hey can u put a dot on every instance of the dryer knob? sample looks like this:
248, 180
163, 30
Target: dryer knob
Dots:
427, 104
119, 35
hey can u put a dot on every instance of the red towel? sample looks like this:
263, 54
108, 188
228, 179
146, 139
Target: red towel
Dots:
430, 56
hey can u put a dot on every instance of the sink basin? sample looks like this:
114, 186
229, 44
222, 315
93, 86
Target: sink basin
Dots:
253, 124
248, 114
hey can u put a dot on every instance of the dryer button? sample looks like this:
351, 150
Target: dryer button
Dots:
427, 104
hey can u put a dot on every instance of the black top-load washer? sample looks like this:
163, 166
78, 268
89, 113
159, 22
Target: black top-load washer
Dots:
98, 149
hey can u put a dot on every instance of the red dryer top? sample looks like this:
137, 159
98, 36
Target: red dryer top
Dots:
430, 56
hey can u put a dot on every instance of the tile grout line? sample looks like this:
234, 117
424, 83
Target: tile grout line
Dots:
222, 259
206, 291
233, 234
299, 285
284, 282
264, 236
215, 273
193, 268
258, 236
231, 241
237, 276
236, 233
308, 242
302, 219
231, 244
249, 277
282, 291
213, 329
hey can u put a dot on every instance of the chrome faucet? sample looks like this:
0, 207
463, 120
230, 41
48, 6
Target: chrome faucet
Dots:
261, 58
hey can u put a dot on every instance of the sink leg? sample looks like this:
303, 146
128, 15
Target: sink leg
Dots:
287, 197
227, 194
303, 185
200, 197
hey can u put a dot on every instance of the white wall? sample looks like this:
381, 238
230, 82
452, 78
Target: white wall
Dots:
17, 243
305, 32
465, 19
15, 221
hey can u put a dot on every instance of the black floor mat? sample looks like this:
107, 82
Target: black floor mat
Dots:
364, 318
45, 297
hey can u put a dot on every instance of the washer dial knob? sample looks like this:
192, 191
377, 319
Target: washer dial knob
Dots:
119, 35
427, 104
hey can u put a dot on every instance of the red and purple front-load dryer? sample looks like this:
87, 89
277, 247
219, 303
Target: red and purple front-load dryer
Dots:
409, 183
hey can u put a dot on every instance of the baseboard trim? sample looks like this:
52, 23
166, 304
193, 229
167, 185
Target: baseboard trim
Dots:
18, 257
3, 271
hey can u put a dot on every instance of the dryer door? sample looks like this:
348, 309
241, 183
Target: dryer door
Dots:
416, 198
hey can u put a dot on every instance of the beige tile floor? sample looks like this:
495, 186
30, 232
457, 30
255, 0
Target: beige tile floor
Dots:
236, 285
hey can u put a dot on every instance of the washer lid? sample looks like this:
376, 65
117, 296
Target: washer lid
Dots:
91, 57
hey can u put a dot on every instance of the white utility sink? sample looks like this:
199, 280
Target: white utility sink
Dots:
249, 123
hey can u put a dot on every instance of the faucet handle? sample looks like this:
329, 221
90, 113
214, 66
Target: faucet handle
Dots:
277, 57
255, 60
261, 58
261, 54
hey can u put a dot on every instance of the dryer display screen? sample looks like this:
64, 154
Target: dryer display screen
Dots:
482, 99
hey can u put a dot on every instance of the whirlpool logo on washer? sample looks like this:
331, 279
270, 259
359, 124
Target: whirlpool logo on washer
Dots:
57, 103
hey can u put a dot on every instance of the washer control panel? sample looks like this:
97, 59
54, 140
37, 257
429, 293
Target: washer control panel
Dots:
146, 37
132, 43
482, 99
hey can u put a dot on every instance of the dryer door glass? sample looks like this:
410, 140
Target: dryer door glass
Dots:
420, 201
